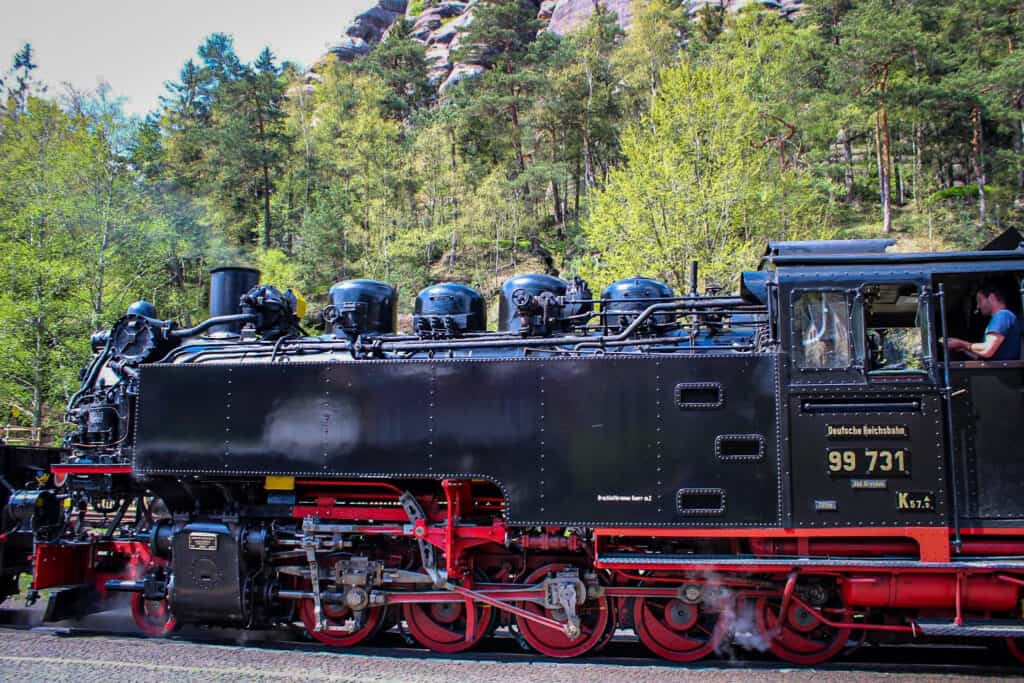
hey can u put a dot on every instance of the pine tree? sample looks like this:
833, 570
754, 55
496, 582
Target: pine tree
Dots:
867, 64
401, 62
499, 38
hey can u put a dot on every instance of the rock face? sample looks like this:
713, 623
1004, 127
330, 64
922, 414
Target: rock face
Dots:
567, 15
440, 23
367, 29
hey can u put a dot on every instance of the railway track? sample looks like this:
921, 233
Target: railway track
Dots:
502, 656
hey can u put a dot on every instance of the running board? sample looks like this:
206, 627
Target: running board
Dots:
746, 562
984, 629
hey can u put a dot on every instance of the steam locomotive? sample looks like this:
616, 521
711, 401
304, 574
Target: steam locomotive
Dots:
805, 457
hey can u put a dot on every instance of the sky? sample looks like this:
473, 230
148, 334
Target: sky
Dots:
137, 45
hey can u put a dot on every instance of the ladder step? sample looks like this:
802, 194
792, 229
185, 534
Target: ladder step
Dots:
748, 562
994, 628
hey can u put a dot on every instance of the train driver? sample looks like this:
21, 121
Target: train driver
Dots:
1002, 335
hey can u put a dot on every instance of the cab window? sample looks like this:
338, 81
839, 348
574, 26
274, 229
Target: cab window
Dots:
896, 329
821, 330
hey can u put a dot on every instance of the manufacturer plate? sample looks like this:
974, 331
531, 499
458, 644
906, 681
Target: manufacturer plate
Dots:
199, 540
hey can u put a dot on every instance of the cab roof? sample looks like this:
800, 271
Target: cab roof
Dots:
875, 252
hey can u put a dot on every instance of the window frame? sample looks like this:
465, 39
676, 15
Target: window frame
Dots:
928, 334
852, 295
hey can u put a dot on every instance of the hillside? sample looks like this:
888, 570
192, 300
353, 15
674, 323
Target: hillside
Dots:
576, 147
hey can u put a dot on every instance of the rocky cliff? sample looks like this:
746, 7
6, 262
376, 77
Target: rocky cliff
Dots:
438, 24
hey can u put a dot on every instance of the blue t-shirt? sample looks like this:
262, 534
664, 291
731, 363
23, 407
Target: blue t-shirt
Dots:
1005, 323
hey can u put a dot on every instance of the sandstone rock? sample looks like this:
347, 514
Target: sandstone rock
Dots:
429, 20
570, 14
438, 74
547, 8
444, 35
421, 34
451, 8
463, 21
371, 24
460, 72
437, 54
348, 48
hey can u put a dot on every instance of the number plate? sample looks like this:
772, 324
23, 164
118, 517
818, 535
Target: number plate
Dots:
862, 463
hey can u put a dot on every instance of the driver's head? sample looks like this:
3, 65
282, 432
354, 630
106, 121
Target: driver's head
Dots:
989, 298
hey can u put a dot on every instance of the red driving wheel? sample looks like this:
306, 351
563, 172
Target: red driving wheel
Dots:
800, 637
594, 618
341, 626
444, 626
681, 631
153, 617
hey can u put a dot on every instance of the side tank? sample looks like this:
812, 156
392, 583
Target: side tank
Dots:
449, 309
362, 307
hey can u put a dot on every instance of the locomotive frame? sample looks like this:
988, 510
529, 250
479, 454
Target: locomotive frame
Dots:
806, 452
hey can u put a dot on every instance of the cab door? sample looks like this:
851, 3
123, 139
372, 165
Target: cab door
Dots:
987, 404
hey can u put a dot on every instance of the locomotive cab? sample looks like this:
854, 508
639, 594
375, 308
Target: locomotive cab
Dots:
887, 427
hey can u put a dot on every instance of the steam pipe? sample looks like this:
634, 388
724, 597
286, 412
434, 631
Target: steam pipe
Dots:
207, 324
571, 339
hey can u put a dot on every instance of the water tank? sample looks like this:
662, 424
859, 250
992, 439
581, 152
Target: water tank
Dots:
625, 299
449, 309
227, 285
362, 307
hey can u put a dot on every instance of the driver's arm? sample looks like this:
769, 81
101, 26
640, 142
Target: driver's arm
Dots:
986, 349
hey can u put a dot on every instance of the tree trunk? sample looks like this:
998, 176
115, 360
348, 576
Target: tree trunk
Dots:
977, 149
451, 254
588, 160
887, 171
882, 156
918, 164
266, 207
517, 142
1018, 147
576, 188
559, 215
900, 196
266, 179
848, 177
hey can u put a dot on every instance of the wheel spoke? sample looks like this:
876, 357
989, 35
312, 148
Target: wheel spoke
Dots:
673, 632
445, 629
809, 645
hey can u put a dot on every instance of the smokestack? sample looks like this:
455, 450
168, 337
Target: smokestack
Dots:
227, 285
693, 278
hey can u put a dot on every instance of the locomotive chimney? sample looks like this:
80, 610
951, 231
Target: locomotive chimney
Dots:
693, 278
227, 285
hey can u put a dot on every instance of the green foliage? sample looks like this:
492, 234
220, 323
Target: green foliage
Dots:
698, 184
80, 242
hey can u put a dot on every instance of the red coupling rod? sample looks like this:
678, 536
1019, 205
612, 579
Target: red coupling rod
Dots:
511, 609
